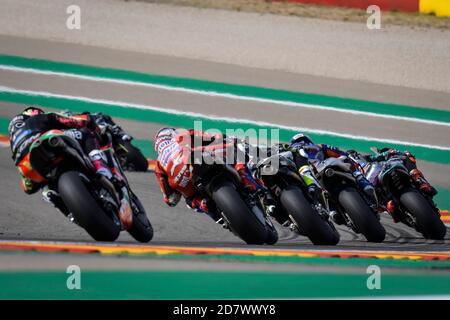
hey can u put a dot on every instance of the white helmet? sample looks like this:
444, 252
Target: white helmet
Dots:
164, 135
300, 139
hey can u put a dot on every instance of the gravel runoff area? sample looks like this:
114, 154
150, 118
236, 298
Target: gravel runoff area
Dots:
395, 55
286, 8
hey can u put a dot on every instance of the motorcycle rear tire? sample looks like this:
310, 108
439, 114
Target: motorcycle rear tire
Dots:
362, 215
429, 223
142, 229
85, 209
311, 224
242, 220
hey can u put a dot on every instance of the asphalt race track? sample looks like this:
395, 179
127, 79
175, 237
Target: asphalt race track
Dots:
29, 218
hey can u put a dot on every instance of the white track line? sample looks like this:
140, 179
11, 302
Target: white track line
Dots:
218, 118
218, 94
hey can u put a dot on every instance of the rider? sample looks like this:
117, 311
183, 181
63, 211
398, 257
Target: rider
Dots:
410, 163
304, 168
172, 170
27, 126
320, 152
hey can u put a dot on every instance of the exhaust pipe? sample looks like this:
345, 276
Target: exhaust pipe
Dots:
329, 172
56, 142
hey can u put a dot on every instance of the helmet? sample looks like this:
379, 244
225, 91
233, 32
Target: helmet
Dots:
32, 111
164, 134
301, 139
67, 113
385, 149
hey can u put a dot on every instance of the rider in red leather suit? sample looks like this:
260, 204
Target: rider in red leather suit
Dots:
172, 168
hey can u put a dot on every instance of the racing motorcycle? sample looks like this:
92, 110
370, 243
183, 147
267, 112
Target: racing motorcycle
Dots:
308, 214
241, 211
413, 208
354, 208
91, 201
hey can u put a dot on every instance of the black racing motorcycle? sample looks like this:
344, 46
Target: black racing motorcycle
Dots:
308, 214
242, 211
91, 201
413, 208
355, 209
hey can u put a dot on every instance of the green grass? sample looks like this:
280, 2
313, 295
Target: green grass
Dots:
214, 285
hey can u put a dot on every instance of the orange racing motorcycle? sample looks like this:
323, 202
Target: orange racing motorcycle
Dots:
101, 207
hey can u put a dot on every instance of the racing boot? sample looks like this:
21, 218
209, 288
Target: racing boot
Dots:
367, 187
390, 206
99, 162
271, 209
422, 183
202, 205
53, 198
392, 210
